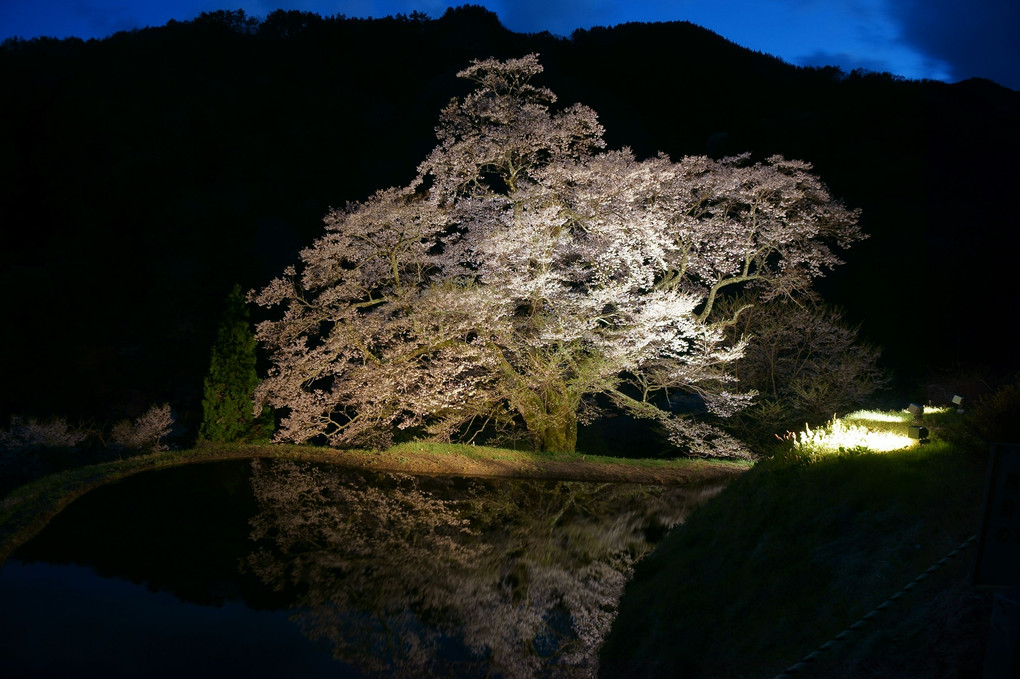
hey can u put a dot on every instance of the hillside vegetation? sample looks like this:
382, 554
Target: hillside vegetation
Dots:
806, 544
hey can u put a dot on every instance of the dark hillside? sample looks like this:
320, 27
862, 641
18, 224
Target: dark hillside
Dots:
141, 176
798, 550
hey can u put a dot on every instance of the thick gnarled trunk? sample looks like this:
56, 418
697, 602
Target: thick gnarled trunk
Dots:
560, 436
551, 419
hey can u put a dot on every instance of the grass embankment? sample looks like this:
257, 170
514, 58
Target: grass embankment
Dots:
27, 509
804, 545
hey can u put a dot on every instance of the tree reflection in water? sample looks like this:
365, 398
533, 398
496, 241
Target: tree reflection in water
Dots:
412, 576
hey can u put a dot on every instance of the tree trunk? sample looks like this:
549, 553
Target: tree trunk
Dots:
555, 430
560, 437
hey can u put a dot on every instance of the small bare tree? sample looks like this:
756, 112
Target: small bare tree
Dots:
804, 360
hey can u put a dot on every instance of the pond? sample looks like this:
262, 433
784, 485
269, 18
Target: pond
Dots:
260, 568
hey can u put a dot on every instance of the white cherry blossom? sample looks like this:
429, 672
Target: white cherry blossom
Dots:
527, 270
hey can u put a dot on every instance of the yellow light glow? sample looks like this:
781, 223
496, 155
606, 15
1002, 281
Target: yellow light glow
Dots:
841, 435
874, 416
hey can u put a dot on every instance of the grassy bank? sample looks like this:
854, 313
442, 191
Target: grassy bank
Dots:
27, 509
804, 545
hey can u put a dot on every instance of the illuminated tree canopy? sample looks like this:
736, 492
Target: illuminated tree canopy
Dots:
529, 278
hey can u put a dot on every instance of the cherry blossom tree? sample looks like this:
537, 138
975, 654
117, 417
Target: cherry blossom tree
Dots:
529, 278
146, 432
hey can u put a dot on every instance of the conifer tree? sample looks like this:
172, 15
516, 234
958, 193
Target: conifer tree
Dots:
228, 403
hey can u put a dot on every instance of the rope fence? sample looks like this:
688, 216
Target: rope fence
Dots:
806, 661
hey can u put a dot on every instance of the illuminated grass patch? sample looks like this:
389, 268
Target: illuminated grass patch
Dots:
876, 416
840, 435
876, 431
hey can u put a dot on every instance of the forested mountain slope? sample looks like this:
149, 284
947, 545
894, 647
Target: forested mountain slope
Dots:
141, 176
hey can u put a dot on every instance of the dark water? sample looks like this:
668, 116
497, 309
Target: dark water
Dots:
309, 570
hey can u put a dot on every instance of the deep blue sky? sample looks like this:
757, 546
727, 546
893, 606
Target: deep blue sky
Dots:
947, 40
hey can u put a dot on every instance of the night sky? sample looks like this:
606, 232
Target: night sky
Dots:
945, 40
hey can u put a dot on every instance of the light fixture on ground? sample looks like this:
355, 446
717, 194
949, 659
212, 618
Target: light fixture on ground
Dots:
917, 432
958, 402
915, 410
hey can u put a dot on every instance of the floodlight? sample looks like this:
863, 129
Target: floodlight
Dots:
919, 433
915, 410
957, 400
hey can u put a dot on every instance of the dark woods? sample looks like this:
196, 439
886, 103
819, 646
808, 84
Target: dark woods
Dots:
143, 175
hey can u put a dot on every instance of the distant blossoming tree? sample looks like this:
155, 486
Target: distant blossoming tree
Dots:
528, 279
146, 432
33, 434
